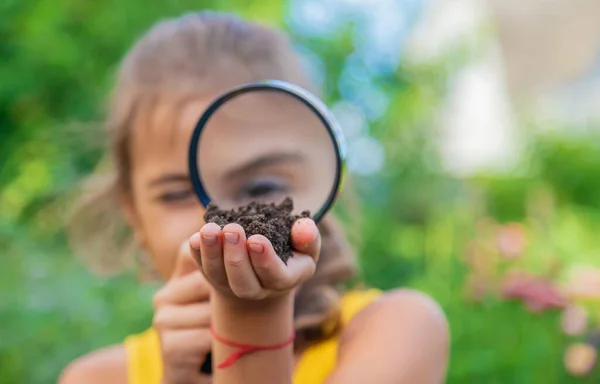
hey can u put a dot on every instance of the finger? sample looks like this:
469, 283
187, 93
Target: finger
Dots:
211, 254
306, 238
300, 268
185, 262
195, 248
240, 274
184, 290
185, 346
182, 317
272, 272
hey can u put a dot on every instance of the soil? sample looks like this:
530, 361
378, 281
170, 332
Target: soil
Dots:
270, 220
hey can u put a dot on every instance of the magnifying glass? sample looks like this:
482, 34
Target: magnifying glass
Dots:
264, 142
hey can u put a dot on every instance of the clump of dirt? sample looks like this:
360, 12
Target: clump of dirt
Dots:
270, 220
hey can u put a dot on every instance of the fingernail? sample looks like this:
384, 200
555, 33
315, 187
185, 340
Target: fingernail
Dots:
209, 239
256, 248
308, 223
232, 238
195, 241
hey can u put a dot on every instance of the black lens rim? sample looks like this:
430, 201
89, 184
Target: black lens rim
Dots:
308, 99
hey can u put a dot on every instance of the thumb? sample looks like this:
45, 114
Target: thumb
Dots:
306, 238
185, 262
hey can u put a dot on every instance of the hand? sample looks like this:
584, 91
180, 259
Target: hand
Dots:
249, 269
182, 320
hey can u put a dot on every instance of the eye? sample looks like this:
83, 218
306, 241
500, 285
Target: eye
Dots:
262, 189
175, 196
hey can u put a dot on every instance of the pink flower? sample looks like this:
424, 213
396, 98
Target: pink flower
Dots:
574, 320
584, 283
580, 359
511, 240
537, 294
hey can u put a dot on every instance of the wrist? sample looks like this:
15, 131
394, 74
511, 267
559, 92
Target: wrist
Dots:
233, 303
255, 322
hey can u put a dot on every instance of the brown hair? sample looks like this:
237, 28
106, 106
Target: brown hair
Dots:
193, 55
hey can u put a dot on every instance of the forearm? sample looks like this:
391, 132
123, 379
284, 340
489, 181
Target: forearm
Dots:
261, 325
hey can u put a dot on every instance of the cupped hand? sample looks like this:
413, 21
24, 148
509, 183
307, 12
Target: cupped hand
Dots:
248, 269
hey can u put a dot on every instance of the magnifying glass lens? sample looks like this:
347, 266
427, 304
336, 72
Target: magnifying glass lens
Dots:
264, 146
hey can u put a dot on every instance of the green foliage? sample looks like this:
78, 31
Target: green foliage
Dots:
416, 224
570, 166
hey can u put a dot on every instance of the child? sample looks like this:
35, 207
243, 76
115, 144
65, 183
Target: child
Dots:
164, 84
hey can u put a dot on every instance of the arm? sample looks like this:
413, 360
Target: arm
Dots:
402, 338
108, 365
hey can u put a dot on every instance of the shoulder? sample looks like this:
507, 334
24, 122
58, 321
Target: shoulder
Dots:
401, 309
107, 365
408, 304
405, 330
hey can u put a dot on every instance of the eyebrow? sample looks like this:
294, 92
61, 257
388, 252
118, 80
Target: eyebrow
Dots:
169, 178
264, 161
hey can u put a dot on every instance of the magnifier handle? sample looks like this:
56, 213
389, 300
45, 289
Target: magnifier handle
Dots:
206, 367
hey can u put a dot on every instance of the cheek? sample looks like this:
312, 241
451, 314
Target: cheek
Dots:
166, 230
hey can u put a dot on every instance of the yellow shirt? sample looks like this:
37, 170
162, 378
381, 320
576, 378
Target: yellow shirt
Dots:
144, 365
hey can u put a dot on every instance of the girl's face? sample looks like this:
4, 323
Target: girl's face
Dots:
289, 154
164, 210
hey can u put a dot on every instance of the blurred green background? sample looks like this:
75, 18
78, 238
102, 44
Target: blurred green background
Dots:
454, 237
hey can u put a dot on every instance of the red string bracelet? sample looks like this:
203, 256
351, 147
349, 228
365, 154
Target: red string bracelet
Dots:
244, 349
